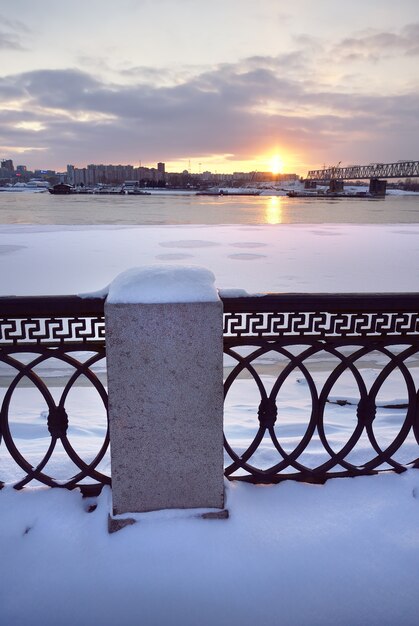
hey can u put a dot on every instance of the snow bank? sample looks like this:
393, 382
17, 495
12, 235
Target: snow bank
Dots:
163, 283
295, 554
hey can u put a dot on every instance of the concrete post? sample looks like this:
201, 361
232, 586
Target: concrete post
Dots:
165, 392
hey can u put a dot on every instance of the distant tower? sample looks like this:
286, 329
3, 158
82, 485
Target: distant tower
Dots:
70, 175
7, 164
161, 172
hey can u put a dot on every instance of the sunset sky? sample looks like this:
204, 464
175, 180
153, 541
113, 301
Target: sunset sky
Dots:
225, 84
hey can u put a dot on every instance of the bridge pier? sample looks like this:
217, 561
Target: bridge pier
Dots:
378, 187
335, 186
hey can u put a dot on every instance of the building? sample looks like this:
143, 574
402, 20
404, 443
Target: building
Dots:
80, 177
7, 164
161, 172
70, 174
21, 169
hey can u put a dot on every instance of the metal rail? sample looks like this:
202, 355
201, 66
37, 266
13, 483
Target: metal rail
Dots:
272, 340
401, 169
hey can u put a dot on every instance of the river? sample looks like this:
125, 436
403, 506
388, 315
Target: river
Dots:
166, 208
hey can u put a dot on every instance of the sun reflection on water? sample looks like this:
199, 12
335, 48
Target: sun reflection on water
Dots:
273, 212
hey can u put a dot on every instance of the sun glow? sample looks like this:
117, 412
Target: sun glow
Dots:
35, 126
276, 164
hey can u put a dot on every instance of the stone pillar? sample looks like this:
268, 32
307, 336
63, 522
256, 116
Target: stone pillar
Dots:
378, 187
165, 388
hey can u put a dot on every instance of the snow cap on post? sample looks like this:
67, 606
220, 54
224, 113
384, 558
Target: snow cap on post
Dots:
155, 284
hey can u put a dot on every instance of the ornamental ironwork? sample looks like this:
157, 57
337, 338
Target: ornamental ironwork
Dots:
51, 320
321, 325
312, 343
50, 347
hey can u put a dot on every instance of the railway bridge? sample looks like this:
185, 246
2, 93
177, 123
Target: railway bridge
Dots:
374, 172
401, 169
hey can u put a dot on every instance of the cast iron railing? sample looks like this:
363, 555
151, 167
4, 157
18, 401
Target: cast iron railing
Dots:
274, 342
339, 334
63, 336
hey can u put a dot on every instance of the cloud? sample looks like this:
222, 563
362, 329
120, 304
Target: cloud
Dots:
10, 41
15, 25
374, 45
289, 62
10, 34
236, 109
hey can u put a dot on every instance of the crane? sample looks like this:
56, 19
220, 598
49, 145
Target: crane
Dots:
333, 169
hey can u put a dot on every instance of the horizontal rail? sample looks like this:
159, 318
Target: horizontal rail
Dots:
50, 306
56, 320
333, 303
59, 306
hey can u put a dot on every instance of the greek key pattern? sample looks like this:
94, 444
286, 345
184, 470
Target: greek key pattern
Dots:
320, 325
52, 331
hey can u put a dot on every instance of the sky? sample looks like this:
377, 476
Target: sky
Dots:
226, 85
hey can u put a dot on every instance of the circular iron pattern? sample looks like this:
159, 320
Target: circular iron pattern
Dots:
289, 464
59, 417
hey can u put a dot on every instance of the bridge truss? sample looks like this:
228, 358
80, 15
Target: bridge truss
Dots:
401, 169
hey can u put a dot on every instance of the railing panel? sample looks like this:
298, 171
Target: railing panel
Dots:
52, 372
334, 382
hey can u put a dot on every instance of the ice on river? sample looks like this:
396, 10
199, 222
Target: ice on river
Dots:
294, 257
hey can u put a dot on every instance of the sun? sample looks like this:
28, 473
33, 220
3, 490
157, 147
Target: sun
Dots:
276, 164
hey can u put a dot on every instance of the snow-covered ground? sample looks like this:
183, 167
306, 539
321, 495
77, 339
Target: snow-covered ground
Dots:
343, 553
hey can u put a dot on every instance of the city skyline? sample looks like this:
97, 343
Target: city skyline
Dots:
8, 165
222, 86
